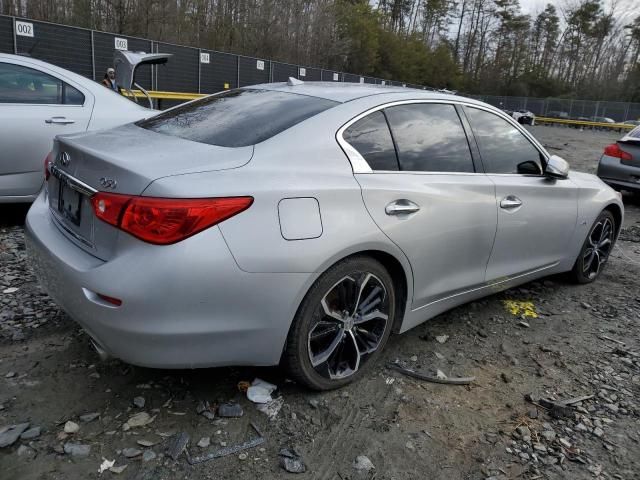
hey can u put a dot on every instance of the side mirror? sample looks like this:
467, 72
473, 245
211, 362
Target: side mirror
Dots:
557, 167
529, 168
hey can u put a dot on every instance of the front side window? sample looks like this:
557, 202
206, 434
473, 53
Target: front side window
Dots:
429, 138
370, 136
20, 84
504, 149
237, 118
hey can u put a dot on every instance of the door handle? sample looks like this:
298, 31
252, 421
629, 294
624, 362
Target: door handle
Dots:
59, 120
510, 201
401, 207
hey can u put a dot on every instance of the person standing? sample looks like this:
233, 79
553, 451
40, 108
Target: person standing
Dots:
109, 80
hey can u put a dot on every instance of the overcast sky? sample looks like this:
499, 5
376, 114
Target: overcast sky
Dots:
627, 8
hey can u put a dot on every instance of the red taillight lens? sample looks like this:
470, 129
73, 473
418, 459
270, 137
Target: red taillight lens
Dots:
163, 221
47, 160
614, 150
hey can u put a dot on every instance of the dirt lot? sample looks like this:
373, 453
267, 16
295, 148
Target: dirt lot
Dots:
584, 341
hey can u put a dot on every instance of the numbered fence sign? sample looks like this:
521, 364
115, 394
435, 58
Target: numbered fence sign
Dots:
303, 72
24, 29
335, 77
383, 82
121, 44
260, 65
205, 58
361, 79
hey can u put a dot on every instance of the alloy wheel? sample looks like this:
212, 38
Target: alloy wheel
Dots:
598, 249
349, 324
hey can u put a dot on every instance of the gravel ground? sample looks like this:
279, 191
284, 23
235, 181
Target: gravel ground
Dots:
507, 424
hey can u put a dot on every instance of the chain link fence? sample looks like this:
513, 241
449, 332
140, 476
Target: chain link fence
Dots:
566, 108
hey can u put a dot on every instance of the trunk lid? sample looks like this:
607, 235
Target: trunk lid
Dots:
632, 147
121, 160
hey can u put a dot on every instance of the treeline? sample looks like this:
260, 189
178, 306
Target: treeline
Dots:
575, 48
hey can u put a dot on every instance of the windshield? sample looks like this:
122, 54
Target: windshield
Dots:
237, 118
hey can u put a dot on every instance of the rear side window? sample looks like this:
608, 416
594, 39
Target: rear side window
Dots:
19, 84
370, 136
429, 138
504, 149
237, 118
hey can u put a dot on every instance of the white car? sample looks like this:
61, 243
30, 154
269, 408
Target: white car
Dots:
39, 101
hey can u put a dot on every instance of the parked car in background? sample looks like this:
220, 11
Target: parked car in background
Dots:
602, 120
524, 117
632, 122
39, 101
619, 164
212, 235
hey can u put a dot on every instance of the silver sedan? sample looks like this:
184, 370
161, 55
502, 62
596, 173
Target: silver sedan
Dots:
39, 101
303, 223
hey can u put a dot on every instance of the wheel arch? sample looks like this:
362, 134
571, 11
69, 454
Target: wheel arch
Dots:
616, 211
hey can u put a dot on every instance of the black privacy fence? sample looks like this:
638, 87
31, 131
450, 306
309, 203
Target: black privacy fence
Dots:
199, 70
190, 70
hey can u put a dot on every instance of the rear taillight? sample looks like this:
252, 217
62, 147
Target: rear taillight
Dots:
47, 161
614, 150
163, 221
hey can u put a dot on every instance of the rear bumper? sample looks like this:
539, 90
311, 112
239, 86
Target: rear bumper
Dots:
183, 306
614, 173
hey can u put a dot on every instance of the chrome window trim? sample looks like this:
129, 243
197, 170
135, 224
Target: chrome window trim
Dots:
360, 165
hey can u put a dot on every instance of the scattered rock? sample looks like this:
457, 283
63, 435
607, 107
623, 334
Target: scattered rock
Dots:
145, 443
131, 452
204, 442
138, 420
71, 427
24, 451
362, 462
291, 461
243, 456
118, 470
505, 377
10, 375
89, 417
148, 455
442, 338
77, 449
139, 402
33, 432
177, 444
11, 433
314, 403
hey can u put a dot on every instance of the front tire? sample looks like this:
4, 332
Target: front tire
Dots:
342, 324
596, 249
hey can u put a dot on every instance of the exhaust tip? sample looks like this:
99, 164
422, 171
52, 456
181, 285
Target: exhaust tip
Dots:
102, 353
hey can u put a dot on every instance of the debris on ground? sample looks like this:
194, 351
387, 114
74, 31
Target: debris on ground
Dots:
105, 465
260, 391
291, 461
230, 450
230, 410
428, 378
71, 427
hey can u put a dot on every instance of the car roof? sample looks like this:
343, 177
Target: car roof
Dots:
344, 91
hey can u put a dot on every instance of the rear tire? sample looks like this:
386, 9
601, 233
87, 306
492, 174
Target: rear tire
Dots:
342, 324
596, 249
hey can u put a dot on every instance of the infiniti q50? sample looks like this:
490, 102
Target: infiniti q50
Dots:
302, 224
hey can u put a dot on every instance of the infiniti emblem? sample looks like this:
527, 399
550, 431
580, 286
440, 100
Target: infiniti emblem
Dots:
107, 182
65, 159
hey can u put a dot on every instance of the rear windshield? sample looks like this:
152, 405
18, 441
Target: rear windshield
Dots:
237, 118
